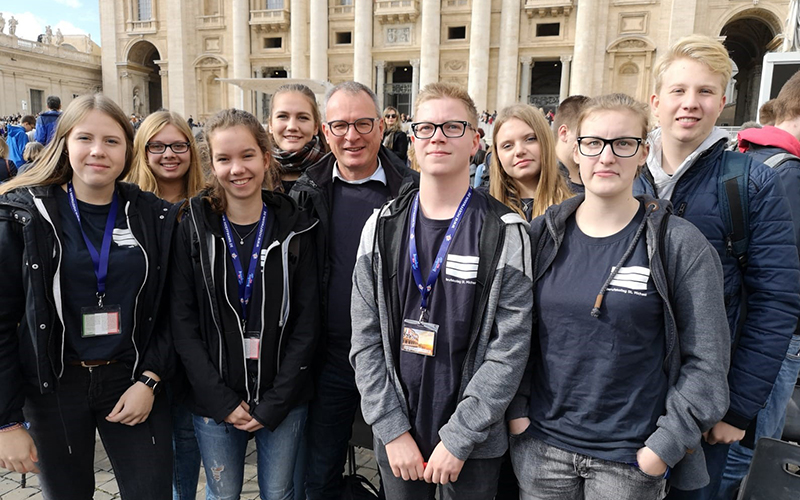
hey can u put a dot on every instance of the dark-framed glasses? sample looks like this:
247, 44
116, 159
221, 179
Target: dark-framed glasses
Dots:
622, 147
452, 129
363, 126
158, 148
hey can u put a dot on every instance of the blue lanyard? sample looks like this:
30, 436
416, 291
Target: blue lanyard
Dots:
437, 264
99, 260
245, 285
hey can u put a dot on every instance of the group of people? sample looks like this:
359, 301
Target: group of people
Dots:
566, 333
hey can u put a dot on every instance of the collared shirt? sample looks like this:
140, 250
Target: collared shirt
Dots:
379, 175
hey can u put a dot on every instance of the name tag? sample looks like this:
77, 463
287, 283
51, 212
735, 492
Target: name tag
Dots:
419, 337
100, 321
251, 346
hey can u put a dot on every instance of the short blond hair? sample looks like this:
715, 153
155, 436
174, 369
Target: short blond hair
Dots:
442, 90
700, 48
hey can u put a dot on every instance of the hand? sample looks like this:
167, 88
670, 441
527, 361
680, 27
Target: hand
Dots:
134, 405
442, 467
17, 452
251, 426
240, 416
650, 463
518, 425
723, 433
405, 458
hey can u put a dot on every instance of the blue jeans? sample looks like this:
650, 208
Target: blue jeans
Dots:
330, 425
223, 448
546, 472
185, 451
769, 423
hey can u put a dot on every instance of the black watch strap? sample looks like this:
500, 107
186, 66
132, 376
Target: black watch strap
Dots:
152, 383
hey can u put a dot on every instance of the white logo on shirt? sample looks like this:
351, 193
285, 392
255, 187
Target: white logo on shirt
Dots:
632, 278
124, 238
464, 267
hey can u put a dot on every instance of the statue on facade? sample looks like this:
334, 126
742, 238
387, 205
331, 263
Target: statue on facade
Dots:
48, 35
2, 22
12, 26
137, 102
59, 37
791, 41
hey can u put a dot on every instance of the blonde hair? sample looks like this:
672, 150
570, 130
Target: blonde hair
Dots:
395, 127
141, 173
552, 188
32, 151
226, 119
53, 165
700, 48
442, 90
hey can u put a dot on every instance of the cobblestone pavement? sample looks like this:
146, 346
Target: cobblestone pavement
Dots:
107, 489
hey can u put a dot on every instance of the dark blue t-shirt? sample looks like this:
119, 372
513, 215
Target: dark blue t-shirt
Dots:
598, 383
432, 383
126, 273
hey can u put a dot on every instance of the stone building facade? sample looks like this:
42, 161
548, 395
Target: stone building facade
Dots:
31, 70
173, 54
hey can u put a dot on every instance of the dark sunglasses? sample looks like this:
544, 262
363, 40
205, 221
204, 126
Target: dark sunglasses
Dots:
390, 115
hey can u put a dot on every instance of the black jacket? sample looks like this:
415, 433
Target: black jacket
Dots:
31, 326
313, 192
207, 327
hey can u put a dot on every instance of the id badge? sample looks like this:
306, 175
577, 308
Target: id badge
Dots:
97, 321
251, 347
419, 337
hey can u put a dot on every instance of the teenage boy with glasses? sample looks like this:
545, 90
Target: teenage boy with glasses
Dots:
342, 190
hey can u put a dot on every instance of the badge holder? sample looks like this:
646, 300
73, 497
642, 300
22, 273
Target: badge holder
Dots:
100, 320
251, 347
419, 337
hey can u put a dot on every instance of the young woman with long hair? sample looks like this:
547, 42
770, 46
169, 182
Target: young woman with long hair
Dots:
166, 161
296, 127
245, 312
524, 171
630, 348
80, 350
394, 137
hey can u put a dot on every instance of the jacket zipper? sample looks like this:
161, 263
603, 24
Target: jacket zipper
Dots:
257, 396
136, 302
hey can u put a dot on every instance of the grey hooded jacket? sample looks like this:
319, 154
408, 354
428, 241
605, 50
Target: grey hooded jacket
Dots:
499, 340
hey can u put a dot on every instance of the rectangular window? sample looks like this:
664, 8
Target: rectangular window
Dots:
345, 2
273, 42
37, 98
144, 11
457, 33
548, 29
344, 37
274, 4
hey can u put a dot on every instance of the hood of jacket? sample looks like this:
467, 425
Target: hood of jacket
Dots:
768, 136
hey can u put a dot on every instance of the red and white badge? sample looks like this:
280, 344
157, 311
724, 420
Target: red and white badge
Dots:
100, 321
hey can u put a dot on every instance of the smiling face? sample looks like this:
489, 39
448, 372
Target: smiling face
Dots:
688, 104
96, 148
519, 152
292, 121
607, 175
356, 154
238, 163
441, 155
169, 166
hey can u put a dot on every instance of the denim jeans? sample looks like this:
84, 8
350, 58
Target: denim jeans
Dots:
223, 448
549, 473
768, 424
716, 457
330, 425
477, 481
64, 425
186, 452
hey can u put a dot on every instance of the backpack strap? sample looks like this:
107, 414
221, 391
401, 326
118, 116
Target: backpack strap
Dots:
734, 207
779, 159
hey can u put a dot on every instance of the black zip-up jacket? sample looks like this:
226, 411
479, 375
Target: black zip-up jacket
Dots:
206, 318
313, 192
31, 324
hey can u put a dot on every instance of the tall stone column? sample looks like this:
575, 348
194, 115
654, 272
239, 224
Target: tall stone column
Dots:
318, 56
380, 67
563, 91
479, 52
414, 82
507, 66
362, 43
109, 54
240, 28
299, 38
585, 31
682, 19
525, 84
176, 58
432, 34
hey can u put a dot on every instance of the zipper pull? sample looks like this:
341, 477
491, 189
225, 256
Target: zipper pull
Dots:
681, 209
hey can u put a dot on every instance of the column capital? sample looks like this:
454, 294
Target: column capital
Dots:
526, 60
415, 64
566, 58
380, 65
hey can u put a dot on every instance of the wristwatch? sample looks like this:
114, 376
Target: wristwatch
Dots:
151, 383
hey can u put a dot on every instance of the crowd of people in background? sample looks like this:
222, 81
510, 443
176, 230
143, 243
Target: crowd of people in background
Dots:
518, 304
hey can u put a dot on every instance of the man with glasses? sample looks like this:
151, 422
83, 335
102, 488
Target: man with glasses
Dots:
342, 190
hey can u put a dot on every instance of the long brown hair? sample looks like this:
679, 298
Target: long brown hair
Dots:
53, 166
552, 188
233, 117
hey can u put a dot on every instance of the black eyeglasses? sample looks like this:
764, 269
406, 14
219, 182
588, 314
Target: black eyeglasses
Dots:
622, 147
452, 129
390, 115
158, 148
363, 126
